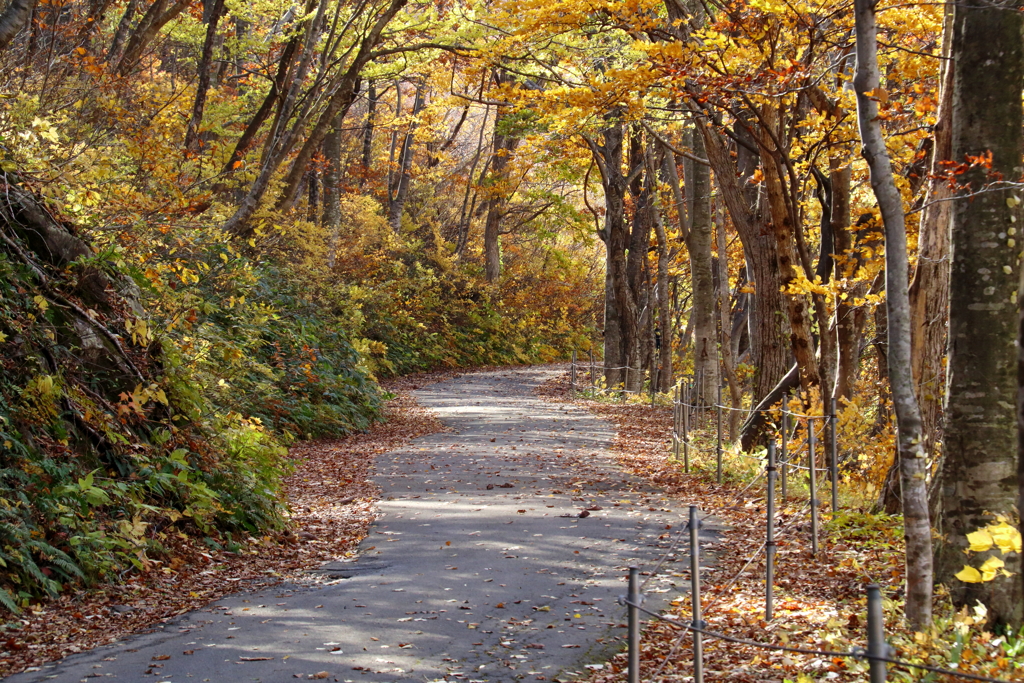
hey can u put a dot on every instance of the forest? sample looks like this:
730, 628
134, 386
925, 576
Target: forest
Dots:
225, 223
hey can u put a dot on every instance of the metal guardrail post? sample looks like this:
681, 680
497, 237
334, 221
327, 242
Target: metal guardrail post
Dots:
785, 452
813, 485
769, 576
876, 634
632, 601
834, 464
698, 622
572, 375
686, 438
676, 421
718, 436
592, 378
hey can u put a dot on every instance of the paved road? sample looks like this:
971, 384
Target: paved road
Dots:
479, 568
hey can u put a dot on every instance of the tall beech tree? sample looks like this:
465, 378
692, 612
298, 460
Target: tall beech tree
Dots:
980, 444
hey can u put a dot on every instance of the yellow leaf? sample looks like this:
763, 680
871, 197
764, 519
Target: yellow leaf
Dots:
878, 94
991, 568
980, 541
969, 575
1004, 536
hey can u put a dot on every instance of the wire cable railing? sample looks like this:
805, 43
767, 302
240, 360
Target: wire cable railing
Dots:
813, 429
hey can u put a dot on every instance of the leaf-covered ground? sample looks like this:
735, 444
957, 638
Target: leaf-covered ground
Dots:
332, 503
820, 601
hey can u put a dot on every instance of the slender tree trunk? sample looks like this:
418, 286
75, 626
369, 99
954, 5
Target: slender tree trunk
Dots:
929, 290
663, 345
121, 34
913, 463
371, 118
784, 225
263, 113
725, 321
979, 465
332, 191
158, 15
397, 196
466, 212
192, 139
850, 318
698, 244
634, 295
345, 88
609, 157
504, 144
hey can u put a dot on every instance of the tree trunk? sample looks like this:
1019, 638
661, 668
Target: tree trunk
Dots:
13, 19
663, 336
913, 463
784, 225
121, 34
345, 88
504, 143
769, 330
371, 116
192, 140
398, 194
698, 244
263, 113
850, 318
725, 321
979, 467
634, 293
332, 190
617, 334
929, 290
466, 212
158, 15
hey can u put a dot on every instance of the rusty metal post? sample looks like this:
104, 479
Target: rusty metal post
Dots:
769, 577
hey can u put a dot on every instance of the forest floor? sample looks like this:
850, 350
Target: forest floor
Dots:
820, 600
333, 504
500, 546
515, 473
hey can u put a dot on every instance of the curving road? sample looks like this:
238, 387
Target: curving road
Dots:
480, 567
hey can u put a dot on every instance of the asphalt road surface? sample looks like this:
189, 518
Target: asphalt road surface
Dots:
480, 567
